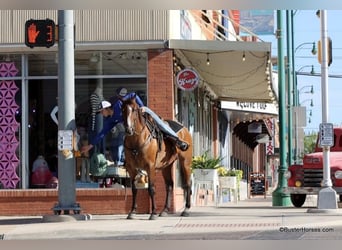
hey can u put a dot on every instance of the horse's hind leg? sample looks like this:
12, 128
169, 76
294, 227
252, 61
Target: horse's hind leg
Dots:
187, 193
186, 183
169, 188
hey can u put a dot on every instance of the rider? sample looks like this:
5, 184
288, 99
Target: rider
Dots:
113, 115
165, 128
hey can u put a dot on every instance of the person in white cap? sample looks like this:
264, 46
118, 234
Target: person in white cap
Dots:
113, 118
122, 94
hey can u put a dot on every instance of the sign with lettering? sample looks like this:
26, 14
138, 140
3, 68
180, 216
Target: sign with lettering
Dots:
187, 79
326, 135
265, 108
65, 140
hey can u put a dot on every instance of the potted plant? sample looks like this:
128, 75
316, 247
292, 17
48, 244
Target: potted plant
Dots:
205, 167
230, 179
204, 170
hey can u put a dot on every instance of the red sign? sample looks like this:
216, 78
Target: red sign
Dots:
187, 79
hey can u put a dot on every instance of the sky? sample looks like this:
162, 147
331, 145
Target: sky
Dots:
307, 29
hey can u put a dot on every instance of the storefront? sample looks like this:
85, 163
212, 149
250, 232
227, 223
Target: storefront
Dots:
146, 65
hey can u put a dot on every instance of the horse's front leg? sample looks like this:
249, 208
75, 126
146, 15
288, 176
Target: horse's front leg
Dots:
151, 192
133, 211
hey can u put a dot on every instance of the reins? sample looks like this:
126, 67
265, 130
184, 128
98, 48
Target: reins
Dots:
138, 148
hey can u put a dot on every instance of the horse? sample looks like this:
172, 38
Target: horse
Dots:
146, 151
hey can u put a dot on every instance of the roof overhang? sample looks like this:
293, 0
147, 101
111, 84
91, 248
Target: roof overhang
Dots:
228, 76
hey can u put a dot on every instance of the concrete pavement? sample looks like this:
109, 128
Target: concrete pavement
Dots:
250, 219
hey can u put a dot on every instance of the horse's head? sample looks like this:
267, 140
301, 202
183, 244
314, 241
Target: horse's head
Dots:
130, 115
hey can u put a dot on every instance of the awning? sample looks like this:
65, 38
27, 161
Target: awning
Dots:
237, 71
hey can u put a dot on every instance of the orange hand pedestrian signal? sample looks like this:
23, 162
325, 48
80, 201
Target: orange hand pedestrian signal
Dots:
40, 33
32, 33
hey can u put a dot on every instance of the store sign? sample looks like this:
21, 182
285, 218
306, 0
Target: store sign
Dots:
187, 79
265, 108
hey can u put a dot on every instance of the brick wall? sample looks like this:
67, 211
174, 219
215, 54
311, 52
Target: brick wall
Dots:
34, 202
160, 83
107, 200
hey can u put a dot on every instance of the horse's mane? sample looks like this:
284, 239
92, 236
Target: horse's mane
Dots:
129, 101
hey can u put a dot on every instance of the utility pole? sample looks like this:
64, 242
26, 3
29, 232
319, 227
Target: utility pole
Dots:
327, 195
290, 89
279, 198
66, 112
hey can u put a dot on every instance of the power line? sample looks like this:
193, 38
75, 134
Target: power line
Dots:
318, 74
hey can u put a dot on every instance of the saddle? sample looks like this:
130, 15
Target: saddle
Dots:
176, 126
155, 131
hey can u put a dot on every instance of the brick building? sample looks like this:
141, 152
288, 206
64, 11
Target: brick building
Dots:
144, 55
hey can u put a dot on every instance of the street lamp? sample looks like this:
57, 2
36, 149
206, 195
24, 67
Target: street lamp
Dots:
312, 72
296, 92
306, 100
306, 92
313, 50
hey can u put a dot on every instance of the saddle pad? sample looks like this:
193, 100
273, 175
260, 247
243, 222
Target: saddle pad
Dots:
176, 126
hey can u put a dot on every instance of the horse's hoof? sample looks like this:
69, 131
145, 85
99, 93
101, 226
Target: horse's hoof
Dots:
163, 214
153, 217
130, 216
185, 214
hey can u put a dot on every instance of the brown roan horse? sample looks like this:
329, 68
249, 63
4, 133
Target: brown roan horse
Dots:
144, 151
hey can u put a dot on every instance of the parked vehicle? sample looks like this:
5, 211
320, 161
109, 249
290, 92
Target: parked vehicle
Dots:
306, 179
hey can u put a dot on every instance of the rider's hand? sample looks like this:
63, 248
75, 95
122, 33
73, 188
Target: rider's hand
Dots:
86, 148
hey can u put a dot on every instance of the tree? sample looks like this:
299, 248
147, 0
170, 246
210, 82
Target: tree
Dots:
310, 142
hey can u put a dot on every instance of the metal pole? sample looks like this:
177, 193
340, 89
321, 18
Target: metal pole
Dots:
289, 68
327, 195
279, 198
25, 120
296, 135
66, 110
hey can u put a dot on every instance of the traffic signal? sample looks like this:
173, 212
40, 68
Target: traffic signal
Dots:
40, 33
319, 54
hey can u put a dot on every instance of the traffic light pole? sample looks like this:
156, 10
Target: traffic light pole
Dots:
327, 195
66, 112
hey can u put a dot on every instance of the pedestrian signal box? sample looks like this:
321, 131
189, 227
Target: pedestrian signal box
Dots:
40, 33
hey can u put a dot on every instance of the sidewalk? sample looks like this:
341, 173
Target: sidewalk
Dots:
250, 219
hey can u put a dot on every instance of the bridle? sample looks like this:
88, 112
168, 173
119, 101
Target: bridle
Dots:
131, 116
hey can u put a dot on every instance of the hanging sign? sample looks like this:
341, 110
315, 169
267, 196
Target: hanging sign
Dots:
187, 79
